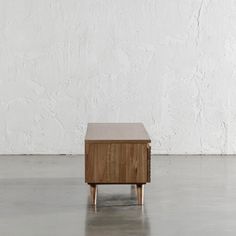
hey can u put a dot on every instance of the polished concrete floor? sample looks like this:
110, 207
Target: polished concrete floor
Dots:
47, 196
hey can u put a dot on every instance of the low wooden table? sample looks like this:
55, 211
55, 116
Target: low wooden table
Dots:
117, 153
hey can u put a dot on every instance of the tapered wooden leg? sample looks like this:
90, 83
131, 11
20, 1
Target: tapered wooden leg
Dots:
93, 192
140, 193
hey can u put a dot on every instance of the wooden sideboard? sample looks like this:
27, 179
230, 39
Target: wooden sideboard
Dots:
117, 153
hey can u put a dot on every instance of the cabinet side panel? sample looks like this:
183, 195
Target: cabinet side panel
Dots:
86, 146
149, 163
116, 163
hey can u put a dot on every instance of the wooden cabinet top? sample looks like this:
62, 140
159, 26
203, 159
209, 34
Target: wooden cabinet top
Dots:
116, 132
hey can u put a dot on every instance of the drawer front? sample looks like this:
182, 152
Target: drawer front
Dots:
116, 163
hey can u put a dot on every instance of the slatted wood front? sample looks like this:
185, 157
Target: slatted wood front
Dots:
116, 163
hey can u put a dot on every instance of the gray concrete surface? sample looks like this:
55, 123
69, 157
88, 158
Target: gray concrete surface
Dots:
46, 195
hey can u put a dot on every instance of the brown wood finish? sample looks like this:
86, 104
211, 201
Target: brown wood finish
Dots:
148, 163
116, 132
116, 163
117, 153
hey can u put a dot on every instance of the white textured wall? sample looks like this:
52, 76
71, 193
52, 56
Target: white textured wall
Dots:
168, 63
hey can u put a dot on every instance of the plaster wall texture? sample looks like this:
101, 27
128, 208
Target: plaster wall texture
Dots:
169, 64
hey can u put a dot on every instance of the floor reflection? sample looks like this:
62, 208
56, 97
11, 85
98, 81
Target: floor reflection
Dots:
116, 214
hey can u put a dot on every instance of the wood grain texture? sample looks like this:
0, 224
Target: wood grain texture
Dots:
148, 163
116, 132
116, 163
